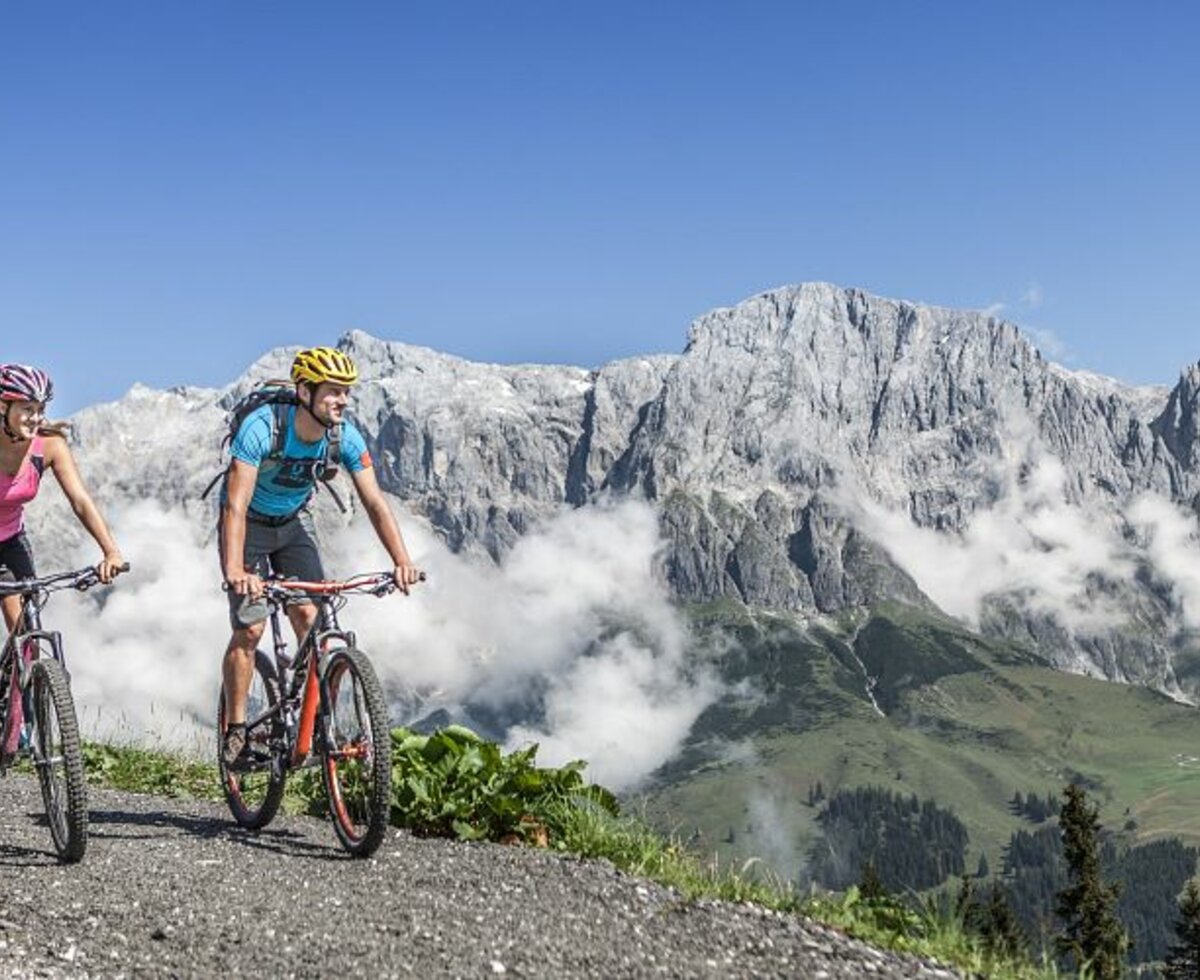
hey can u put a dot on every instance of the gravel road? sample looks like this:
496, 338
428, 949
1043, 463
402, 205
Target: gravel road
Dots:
171, 888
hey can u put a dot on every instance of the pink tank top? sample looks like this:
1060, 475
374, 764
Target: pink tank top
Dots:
17, 491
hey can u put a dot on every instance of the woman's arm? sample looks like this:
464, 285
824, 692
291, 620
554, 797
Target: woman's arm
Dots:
57, 455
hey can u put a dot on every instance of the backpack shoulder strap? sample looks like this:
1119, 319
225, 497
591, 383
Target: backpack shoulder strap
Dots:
279, 422
337, 497
214, 481
333, 453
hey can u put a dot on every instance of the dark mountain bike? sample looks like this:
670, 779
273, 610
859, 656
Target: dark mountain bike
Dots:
37, 713
324, 706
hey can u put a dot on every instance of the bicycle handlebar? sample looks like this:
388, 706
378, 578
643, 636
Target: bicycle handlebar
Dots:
371, 583
81, 579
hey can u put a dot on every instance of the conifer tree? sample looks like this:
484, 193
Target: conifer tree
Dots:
982, 870
870, 886
965, 907
1092, 933
998, 926
1183, 961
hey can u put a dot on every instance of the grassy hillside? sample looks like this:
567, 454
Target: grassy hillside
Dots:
960, 720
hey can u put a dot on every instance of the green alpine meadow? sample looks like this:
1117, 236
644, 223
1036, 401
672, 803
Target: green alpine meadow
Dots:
960, 720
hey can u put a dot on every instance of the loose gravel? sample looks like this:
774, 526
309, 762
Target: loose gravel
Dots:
174, 888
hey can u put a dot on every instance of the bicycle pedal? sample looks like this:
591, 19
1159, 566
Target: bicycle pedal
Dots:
244, 763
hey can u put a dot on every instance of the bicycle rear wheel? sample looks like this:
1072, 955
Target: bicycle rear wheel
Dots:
357, 763
254, 788
58, 758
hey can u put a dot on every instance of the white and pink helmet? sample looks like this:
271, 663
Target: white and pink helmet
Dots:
20, 382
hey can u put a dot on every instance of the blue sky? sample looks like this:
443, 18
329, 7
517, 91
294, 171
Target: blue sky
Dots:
185, 185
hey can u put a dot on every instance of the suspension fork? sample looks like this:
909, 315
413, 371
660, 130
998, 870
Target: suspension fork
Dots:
31, 643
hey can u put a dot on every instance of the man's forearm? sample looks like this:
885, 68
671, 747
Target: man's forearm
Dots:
233, 540
389, 533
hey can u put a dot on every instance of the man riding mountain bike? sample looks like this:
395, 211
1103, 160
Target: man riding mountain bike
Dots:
264, 516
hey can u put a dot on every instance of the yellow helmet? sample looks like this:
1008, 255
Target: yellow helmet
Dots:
317, 364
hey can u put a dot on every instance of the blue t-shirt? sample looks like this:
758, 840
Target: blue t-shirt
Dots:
285, 484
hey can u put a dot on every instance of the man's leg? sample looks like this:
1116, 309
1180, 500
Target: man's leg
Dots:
247, 620
238, 671
298, 557
302, 617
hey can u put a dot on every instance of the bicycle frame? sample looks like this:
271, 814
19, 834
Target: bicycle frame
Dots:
324, 706
29, 641
302, 678
302, 687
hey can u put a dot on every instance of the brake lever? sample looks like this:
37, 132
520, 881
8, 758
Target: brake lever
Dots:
389, 586
86, 581
92, 577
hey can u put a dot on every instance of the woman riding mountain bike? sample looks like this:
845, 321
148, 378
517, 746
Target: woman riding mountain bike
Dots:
28, 447
37, 714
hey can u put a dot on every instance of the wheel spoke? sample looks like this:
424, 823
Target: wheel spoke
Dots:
58, 759
254, 787
357, 759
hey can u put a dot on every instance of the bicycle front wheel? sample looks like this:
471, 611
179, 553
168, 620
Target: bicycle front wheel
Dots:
58, 758
254, 786
357, 763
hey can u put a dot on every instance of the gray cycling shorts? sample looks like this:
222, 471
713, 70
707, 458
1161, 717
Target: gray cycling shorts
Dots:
286, 549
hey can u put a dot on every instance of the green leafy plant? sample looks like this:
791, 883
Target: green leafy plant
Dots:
453, 783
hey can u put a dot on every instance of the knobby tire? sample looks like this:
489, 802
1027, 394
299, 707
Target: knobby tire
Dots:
357, 755
58, 758
254, 795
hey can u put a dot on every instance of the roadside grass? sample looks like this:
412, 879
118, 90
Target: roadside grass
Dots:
455, 784
920, 928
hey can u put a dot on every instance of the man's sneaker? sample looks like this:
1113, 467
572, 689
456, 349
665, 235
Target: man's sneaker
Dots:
234, 745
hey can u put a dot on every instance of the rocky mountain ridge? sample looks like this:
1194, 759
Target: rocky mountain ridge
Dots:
794, 447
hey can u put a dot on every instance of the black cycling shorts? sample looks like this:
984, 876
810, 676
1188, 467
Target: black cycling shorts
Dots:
16, 558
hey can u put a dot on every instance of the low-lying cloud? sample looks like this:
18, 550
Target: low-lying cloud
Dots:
1171, 543
1033, 541
575, 619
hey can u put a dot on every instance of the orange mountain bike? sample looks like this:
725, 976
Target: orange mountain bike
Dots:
324, 706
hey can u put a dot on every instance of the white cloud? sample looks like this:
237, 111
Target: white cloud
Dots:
993, 309
1032, 296
1048, 342
1172, 546
1032, 541
146, 663
576, 612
